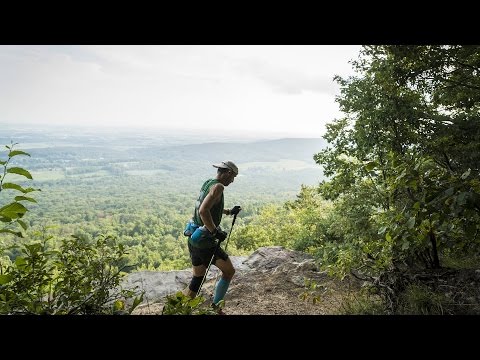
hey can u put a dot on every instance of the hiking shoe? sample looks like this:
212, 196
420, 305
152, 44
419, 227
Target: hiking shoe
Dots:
217, 309
220, 312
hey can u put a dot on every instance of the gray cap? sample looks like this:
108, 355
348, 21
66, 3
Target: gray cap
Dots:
227, 165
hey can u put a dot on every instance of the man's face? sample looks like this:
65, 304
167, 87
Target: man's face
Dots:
230, 177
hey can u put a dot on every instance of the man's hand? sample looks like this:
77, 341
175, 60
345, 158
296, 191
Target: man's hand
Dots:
235, 210
221, 235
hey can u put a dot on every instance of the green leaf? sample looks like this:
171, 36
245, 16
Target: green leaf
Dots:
17, 233
118, 305
13, 186
22, 224
5, 278
19, 171
13, 207
17, 152
2, 162
19, 188
136, 302
13, 210
412, 183
20, 261
371, 165
411, 222
30, 189
20, 198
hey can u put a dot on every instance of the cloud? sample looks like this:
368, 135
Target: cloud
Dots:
286, 80
255, 88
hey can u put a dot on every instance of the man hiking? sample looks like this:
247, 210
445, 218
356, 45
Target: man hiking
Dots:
202, 242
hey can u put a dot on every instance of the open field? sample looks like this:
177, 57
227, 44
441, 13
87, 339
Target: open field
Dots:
280, 165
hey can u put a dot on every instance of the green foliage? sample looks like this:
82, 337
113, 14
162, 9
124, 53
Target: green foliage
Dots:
313, 291
263, 230
403, 164
145, 195
180, 304
11, 214
79, 278
299, 224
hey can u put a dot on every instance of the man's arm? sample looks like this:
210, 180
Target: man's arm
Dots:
210, 200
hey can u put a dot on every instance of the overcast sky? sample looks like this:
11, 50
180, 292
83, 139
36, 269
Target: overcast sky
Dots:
257, 89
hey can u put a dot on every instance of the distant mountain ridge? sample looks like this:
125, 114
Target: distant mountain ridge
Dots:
302, 149
282, 164
266, 150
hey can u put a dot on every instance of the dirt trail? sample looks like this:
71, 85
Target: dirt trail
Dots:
275, 281
278, 291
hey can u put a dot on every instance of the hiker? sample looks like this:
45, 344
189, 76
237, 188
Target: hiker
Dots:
205, 232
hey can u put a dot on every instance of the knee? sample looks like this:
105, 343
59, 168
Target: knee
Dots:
228, 273
195, 283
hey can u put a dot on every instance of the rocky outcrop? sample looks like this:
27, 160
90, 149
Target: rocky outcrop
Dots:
273, 257
277, 281
272, 280
158, 284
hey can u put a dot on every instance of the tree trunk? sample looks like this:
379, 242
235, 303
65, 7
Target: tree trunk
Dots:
433, 240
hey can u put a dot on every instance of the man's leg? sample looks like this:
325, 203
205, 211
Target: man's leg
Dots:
199, 270
228, 271
198, 274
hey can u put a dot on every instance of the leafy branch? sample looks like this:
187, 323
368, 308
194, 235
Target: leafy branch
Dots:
12, 213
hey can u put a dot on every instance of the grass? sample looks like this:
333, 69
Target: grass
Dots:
362, 304
420, 300
463, 262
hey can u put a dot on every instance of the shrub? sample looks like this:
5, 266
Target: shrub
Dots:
80, 278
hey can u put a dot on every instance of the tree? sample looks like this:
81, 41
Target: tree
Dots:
406, 156
80, 278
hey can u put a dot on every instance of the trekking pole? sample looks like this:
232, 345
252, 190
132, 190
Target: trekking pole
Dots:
213, 255
208, 268
231, 227
226, 244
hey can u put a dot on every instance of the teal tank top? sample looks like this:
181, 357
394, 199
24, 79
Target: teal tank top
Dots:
216, 210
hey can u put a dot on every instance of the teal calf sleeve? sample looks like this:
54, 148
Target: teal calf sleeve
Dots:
220, 290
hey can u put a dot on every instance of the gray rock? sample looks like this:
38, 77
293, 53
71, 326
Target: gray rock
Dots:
266, 258
158, 284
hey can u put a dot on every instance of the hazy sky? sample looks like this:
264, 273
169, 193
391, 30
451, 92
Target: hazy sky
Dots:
257, 88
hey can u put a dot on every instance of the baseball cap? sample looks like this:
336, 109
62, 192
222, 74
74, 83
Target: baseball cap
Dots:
227, 165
